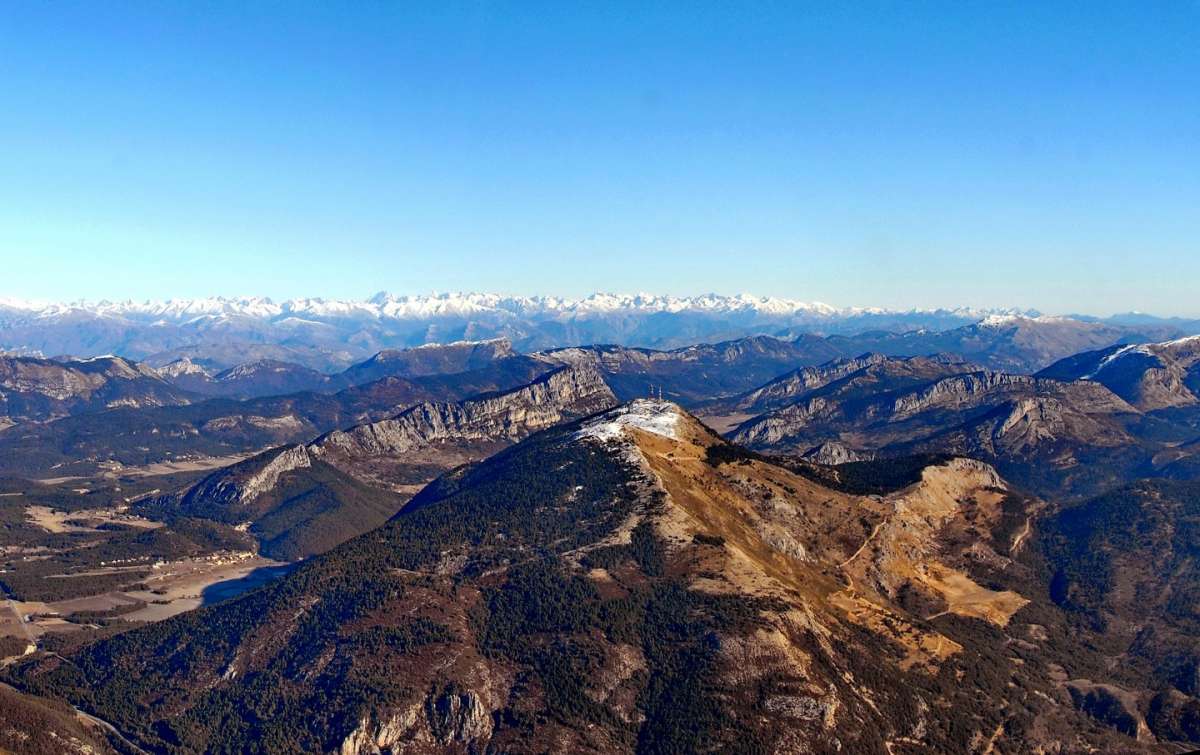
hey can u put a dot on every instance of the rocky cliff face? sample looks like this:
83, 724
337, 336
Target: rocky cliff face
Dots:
786, 388
972, 390
42, 389
1032, 422
445, 720
362, 475
242, 483
564, 393
182, 367
869, 372
833, 453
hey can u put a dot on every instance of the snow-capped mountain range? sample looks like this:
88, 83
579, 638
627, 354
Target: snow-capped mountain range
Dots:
333, 333
385, 305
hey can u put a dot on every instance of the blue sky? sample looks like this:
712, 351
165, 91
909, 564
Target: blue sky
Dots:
893, 154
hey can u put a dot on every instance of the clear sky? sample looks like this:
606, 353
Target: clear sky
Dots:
1034, 154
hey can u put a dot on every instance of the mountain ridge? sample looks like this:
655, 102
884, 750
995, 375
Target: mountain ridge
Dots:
1054, 436
1148, 375
305, 498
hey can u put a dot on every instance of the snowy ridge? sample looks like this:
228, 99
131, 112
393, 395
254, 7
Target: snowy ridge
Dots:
1004, 319
483, 342
1182, 341
387, 306
1133, 348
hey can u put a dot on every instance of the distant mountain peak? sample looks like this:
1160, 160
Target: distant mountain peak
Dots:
182, 366
1005, 319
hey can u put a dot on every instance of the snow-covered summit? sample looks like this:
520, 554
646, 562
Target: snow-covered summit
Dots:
653, 416
1005, 319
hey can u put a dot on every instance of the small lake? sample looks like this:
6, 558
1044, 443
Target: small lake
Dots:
231, 588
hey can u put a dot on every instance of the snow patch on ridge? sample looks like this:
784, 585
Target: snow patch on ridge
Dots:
1181, 341
1133, 348
658, 417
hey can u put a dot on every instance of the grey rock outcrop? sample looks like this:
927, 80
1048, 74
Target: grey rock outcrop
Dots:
832, 452
33, 389
565, 393
446, 719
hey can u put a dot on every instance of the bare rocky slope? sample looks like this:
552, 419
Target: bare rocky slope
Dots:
895, 411
632, 583
38, 390
572, 391
863, 373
